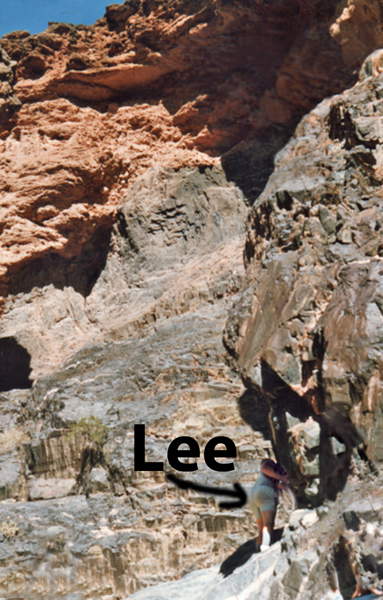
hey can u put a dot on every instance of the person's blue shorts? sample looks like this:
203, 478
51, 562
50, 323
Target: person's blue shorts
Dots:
263, 497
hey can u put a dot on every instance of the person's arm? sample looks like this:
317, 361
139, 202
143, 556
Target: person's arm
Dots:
283, 486
270, 471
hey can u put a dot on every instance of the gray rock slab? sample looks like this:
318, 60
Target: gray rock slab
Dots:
251, 581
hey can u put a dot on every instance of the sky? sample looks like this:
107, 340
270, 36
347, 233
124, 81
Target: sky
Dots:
33, 15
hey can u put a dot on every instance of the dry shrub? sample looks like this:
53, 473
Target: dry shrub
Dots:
9, 529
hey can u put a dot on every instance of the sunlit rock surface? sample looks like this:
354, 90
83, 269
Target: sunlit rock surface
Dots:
131, 153
339, 542
174, 84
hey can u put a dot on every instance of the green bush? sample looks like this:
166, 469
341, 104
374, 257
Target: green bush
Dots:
93, 428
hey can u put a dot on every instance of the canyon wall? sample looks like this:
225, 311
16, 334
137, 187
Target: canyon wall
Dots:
135, 231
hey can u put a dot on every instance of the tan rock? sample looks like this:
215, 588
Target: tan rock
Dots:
355, 29
45, 489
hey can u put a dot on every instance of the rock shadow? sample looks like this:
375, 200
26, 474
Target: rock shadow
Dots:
244, 553
14, 366
347, 582
249, 165
238, 558
264, 409
268, 409
80, 272
254, 409
335, 468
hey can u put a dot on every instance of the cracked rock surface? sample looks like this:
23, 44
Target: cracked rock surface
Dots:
132, 156
312, 308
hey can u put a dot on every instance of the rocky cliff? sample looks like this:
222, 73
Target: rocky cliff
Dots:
313, 252
134, 154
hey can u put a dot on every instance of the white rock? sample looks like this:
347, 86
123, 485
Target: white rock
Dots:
296, 516
310, 518
98, 480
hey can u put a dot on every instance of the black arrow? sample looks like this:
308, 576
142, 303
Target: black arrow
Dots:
238, 491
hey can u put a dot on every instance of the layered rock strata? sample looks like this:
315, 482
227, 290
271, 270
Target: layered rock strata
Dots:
153, 354
130, 154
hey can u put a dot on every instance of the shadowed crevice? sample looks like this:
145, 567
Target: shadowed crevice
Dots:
14, 366
250, 165
342, 565
80, 272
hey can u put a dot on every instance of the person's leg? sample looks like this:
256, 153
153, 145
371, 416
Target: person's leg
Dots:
254, 505
263, 503
268, 517
260, 530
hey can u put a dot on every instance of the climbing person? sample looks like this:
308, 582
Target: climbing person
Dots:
263, 499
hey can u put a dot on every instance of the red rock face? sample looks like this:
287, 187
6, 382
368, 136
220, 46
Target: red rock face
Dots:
65, 167
178, 83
